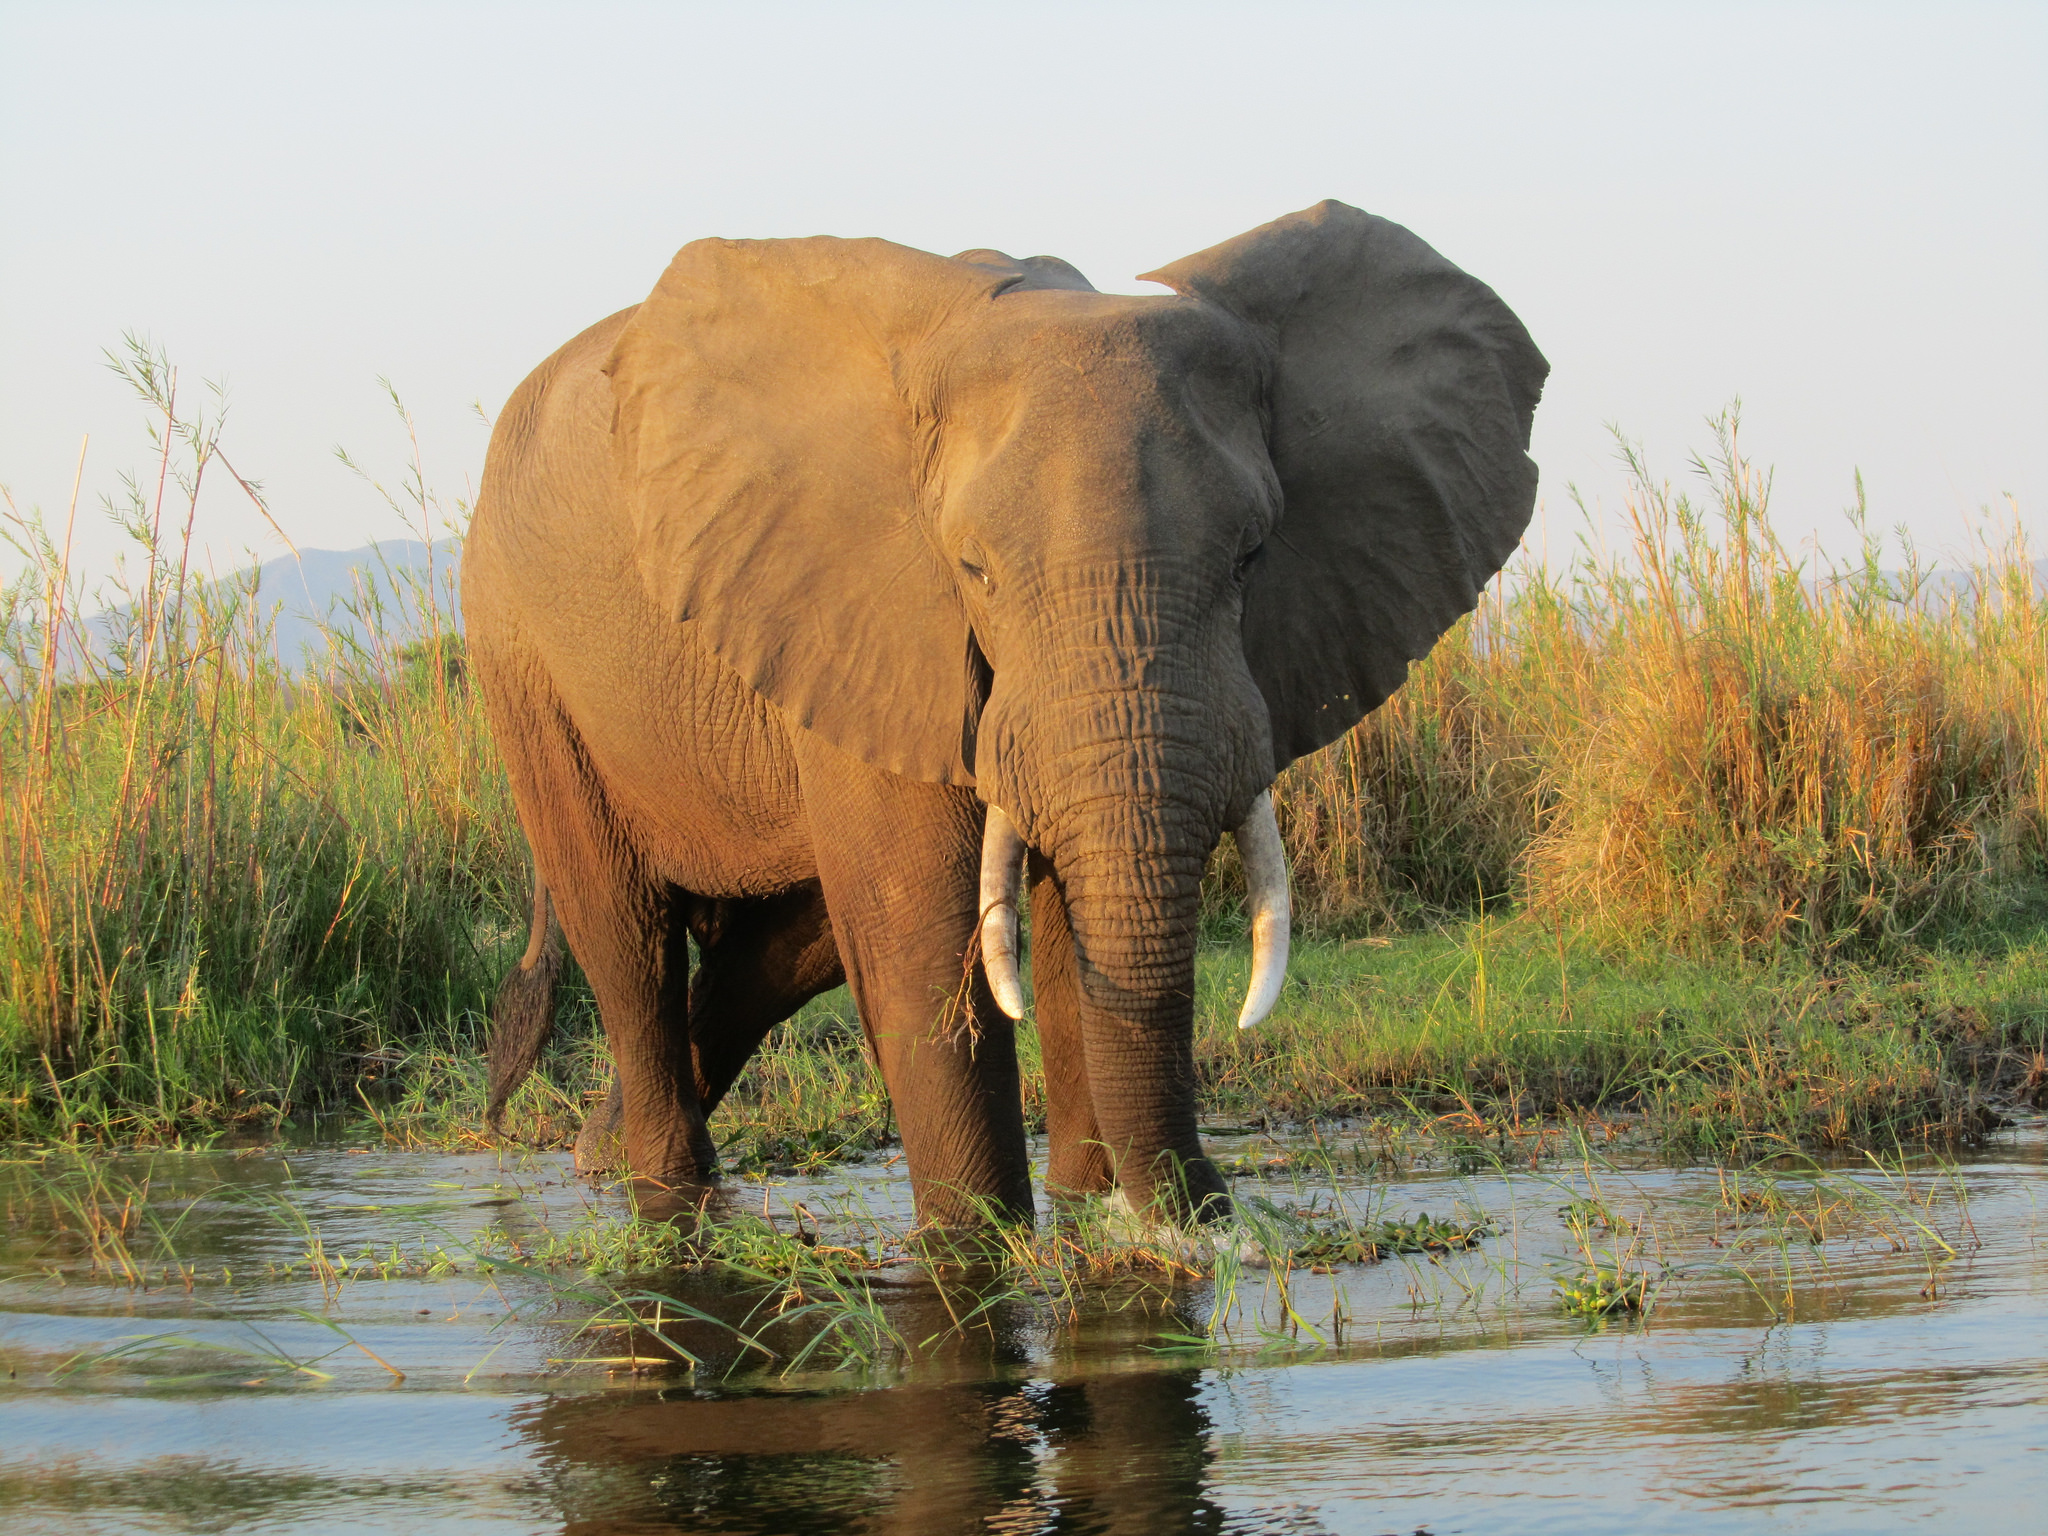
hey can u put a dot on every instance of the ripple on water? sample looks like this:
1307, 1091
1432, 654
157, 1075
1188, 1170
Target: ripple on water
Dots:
1897, 1387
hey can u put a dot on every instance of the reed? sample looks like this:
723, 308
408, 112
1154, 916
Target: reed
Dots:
1701, 744
227, 888
230, 889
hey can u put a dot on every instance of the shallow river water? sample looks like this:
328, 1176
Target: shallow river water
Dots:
288, 1339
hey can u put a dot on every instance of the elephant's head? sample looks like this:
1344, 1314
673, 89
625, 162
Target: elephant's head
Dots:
1113, 560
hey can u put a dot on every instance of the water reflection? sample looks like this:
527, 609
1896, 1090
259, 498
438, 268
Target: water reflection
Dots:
1001, 1429
1841, 1386
1127, 1451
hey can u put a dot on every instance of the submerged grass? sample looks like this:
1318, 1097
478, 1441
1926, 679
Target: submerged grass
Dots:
1318, 1265
1750, 851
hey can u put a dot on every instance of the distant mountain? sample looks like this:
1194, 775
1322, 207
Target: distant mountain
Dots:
1945, 584
324, 598
344, 593
326, 595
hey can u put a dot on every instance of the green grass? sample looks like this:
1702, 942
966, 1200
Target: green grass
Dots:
1490, 1033
1751, 853
228, 892
1481, 1025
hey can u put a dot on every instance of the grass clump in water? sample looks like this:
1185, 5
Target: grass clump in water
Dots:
1602, 1291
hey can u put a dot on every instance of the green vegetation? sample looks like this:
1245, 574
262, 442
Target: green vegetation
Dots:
228, 891
792, 1287
1750, 853
1598, 1291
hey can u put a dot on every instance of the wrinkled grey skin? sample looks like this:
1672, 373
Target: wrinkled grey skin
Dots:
779, 579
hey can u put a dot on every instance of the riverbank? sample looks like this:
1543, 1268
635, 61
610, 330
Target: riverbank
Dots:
1474, 1030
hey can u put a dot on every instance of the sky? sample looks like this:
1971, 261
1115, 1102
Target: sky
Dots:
1838, 214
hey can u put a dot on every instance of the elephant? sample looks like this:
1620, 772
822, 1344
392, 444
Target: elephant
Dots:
837, 591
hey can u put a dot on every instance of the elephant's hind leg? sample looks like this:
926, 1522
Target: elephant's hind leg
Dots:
620, 924
620, 917
601, 1143
758, 961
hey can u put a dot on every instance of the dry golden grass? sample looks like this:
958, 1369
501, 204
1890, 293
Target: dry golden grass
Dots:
226, 888
1701, 744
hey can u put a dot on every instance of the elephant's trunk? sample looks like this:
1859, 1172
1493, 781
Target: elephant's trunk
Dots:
1266, 884
1126, 815
1133, 915
1122, 736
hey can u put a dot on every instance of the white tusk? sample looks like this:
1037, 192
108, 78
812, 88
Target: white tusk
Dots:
1002, 876
1265, 878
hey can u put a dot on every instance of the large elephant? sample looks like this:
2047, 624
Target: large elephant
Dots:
824, 595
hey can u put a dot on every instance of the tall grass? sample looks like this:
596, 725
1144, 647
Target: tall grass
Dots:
231, 888
225, 885
1702, 744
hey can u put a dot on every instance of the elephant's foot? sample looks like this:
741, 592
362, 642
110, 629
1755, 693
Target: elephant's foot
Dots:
683, 1200
601, 1153
1216, 1232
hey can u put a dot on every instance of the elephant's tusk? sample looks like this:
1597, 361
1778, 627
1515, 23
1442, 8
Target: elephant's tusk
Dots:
1265, 878
1002, 876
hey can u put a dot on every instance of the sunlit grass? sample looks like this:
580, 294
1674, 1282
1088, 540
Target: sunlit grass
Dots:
229, 890
1701, 743
1748, 852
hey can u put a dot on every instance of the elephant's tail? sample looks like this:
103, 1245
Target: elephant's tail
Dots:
523, 1015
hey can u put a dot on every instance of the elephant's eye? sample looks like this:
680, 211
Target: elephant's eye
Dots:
1248, 558
971, 562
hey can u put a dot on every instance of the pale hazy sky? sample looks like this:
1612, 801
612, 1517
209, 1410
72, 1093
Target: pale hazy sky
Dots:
1839, 213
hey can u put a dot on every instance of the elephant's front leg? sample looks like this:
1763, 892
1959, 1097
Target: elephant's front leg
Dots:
900, 864
1077, 1161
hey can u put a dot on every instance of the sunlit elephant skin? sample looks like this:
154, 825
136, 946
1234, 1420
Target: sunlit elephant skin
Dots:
838, 586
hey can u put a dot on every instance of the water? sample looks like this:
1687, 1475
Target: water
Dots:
1890, 1376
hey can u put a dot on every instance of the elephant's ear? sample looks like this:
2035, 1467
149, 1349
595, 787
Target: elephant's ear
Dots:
1401, 401
763, 442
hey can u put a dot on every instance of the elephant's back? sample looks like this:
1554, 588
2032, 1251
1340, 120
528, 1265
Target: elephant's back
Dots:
547, 549
692, 759
547, 472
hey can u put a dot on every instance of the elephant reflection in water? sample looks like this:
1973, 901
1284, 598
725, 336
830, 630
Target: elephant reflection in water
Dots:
987, 1435
1111, 1452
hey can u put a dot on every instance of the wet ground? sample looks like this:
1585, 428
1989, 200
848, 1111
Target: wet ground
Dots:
310, 1338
